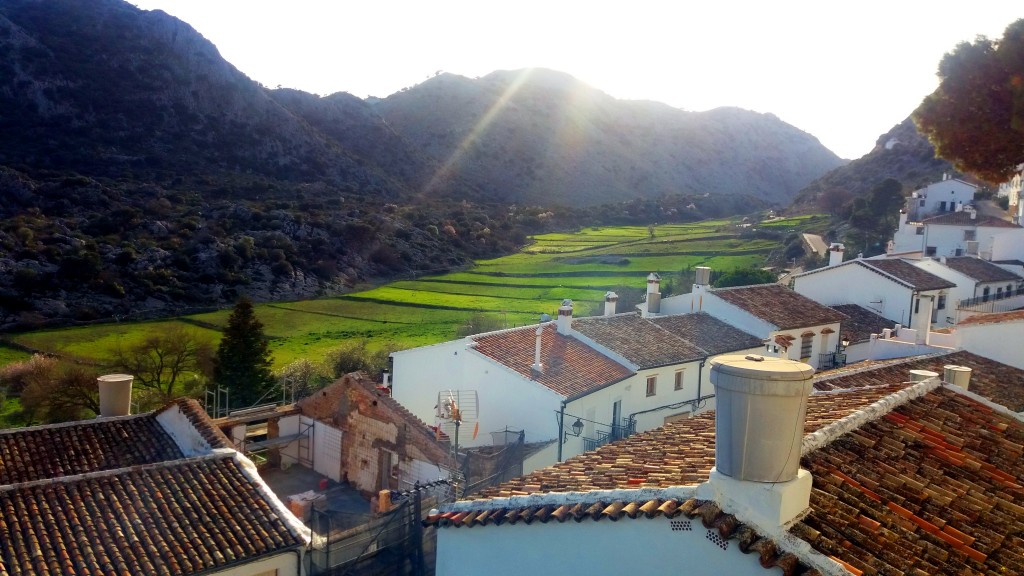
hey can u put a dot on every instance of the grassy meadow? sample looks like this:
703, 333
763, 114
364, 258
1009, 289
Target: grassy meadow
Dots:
513, 290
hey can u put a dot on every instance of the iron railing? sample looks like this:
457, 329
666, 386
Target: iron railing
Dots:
831, 360
615, 432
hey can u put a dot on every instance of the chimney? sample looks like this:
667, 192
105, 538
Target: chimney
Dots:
610, 299
835, 254
759, 427
115, 394
537, 367
702, 277
565, 317
922, 375
957, 375
653, 293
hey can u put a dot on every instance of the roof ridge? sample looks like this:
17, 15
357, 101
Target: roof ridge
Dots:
89, 422
215, 454
827, 434
559, 498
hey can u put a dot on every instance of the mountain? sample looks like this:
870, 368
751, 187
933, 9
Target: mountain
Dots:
536, 135
902, 154
142, 174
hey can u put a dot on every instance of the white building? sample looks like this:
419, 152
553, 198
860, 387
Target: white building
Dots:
789, 324
996, 336
893, 288
980, 287
949, 195
1011, 190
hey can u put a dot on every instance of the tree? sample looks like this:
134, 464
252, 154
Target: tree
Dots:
745, 277
57, 391
166, 362
303, 377
975, 118
242, 363
354, 356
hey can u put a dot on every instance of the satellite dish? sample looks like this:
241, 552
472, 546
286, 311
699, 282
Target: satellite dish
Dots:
457, 408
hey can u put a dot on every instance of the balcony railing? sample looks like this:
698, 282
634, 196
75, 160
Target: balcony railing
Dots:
625, 429
831, 360
999, 302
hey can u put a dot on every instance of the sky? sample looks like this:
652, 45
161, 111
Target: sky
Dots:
844, 72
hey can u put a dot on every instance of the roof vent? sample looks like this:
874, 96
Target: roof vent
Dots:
761, 407
115, 394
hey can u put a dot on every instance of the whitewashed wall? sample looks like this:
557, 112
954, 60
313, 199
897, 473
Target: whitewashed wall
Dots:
653, 547
279, 565
854, 284
1000, 342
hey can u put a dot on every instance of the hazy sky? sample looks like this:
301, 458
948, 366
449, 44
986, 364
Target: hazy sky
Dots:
844, 72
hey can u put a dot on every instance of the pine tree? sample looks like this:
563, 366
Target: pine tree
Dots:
242, 364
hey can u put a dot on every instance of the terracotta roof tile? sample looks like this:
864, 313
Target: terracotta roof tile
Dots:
28, 454
935, 487
994, 318
638, 340
570, 366
861, 323
980, 270
708, 333
779, 305
186, 517
998, 382
964, 219
908, 273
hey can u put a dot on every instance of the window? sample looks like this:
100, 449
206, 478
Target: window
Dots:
921, 202
999, 293
970, 235
917, 305
919, 230
942, 206
958, 252
929, 251
985, 293
941, 304
679, 380
806, 342
652, 385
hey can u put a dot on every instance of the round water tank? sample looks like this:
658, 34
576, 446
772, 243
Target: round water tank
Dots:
115, 394
759, 424
922, 375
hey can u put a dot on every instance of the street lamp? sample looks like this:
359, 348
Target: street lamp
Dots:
577, 429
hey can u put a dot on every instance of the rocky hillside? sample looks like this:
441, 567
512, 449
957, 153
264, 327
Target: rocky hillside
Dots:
902, 154
540, 136
142, 174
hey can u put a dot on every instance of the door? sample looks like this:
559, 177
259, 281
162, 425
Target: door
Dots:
616, 420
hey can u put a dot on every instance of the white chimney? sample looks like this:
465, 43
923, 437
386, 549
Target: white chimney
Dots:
957, 375
115, 394
922, 375
565, 317
922, 319
537, 366
702, 277
653, 293
835, 254
610, 299
761, 405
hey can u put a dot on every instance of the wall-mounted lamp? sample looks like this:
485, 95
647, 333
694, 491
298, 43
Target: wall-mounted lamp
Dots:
577, 429
844, 343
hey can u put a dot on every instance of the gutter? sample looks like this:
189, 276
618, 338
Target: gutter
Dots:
561, 428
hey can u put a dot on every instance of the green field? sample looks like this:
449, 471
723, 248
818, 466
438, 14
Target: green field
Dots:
513, 289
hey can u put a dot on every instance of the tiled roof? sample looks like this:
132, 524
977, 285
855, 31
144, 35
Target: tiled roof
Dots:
998, 382
707, 332
197, 416
934, 487
677, 454
185, 517
40, 452
964, 219
994, 318
779, 305
908, 273
638, 340
861, 322
570, 366
980, 270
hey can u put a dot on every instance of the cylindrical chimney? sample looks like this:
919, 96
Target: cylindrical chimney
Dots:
610, 300
115, 394
759, 423
957, 375
702, 276
922, 375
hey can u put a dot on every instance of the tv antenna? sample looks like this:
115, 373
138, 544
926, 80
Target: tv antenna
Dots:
456, 408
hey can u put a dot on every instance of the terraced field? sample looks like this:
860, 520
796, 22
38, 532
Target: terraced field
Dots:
514, 290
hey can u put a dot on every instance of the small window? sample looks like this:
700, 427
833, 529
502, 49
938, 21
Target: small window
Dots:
999, 293
958, 252
919, 230
679, 380
941, 304
652, 385
929, 251
806, 341
970, 235
985, 293
917, 306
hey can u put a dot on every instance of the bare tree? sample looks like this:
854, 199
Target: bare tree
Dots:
166, 362
60, 392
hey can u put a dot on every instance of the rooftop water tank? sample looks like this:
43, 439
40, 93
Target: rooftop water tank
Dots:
759, 424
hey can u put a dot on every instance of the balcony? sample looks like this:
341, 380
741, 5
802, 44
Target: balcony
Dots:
615, 432
831, 360
999, 302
